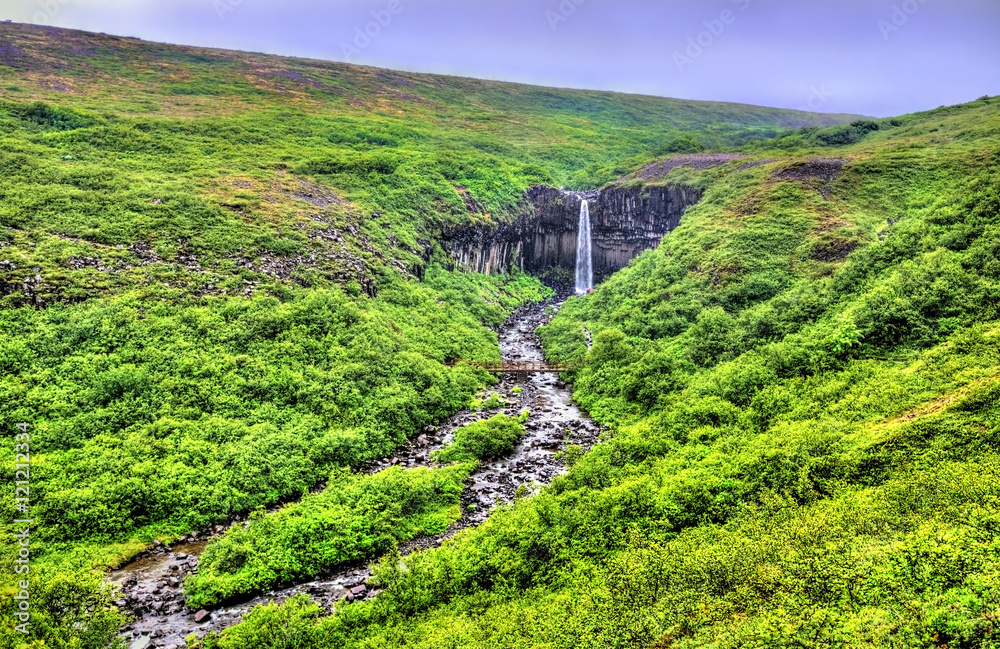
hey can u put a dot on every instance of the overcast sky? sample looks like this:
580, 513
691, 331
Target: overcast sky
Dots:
876, 57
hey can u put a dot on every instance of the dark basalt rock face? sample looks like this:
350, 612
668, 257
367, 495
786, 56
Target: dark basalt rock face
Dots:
491, 250
624, 222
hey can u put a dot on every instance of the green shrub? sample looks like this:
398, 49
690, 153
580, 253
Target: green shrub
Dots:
360, 164
844, 135
713, 337
354, 517
51, 117
492, 402
483, 440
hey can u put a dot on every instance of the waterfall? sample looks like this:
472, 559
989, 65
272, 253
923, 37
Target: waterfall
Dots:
584, 258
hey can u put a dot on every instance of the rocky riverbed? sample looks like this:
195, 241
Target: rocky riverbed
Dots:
151, 585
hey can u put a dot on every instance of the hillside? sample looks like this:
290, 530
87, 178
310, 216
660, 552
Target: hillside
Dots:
803, 382
223, 285
209, 161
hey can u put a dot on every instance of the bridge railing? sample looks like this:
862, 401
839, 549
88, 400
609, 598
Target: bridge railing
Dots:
516, 366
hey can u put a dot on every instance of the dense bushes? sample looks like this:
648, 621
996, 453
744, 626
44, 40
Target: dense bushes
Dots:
69, 607
145, 408
158, 418
833, 136
681, 144
354, 164
842, 135
355, 517
808, 463
483, 440
48, 116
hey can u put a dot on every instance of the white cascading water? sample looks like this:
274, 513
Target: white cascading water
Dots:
584, 262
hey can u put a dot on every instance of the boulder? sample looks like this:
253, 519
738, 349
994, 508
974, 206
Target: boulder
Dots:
141, 642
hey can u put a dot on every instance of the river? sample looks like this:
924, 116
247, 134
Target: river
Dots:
151, 584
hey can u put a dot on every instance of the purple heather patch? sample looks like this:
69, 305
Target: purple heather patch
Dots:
9, 52
386, 77
58, 86
300, 78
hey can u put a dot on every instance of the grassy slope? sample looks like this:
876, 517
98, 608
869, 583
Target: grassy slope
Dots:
208, 267
804, 381
203, 153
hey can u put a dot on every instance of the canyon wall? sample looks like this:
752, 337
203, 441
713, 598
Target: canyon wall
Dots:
624, 222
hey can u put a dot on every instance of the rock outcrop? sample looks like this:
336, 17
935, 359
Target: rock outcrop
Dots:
491, 250
624, 222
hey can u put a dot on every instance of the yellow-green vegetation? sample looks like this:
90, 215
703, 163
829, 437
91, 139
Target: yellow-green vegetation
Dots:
803, 384
483, 440
150, 419
491, 401
221, 282
355, 517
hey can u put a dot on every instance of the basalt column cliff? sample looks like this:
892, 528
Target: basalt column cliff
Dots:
624, 222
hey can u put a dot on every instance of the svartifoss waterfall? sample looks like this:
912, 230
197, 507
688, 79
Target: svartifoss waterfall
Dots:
584, 258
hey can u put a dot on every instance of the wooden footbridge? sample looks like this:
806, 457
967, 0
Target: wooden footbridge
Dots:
521, 368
